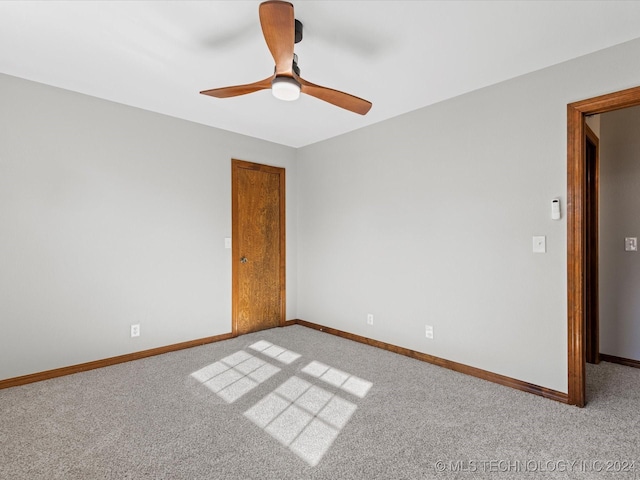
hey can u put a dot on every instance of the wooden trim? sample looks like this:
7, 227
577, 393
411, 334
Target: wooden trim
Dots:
83, 367
622, 361
575, 256
576, 230
283, 247
235, 254
458, 367
234, 249
609, 102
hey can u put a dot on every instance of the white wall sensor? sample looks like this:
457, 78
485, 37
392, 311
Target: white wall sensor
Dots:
555, 209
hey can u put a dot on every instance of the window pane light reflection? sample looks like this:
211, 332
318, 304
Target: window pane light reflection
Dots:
274, 351
302, 416
235, 375
299, 414
349, 383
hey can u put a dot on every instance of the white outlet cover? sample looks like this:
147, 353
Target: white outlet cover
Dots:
135, 330
428, 331
631, 244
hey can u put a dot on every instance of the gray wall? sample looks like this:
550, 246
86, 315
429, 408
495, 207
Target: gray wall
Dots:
109, 216
594, 123
428, 218
620, 218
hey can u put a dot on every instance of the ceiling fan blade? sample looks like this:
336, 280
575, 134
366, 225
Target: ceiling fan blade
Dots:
335, 97
278, 27
237, 90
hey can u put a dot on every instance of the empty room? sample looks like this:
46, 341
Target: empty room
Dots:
319, 239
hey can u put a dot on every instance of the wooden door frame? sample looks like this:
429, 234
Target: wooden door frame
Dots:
235, 253
576, 229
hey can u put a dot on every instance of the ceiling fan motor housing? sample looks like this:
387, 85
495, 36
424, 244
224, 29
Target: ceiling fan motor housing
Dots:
296, 68
298, 37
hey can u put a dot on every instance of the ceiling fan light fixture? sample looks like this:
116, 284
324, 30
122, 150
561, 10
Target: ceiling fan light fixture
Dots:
285, 88
281, 31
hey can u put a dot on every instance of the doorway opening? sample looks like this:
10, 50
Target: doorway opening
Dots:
592, 262
578, 231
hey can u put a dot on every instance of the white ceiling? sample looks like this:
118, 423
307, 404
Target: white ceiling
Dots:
400, 55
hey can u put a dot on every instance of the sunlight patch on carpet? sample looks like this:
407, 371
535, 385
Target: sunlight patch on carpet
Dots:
235, 375
274, 351
300, 414
349, 383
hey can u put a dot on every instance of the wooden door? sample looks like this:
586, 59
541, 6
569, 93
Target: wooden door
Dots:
258, 246
591, 311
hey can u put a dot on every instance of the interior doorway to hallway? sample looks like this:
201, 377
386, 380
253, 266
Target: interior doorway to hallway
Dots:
578, 231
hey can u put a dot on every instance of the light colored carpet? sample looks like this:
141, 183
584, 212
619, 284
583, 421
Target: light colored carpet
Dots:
294, 403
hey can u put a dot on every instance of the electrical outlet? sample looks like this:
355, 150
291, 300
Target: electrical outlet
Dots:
369, 318
428, 331
135, 330
631, 244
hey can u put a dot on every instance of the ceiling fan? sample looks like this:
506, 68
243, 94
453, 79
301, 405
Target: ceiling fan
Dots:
281, 31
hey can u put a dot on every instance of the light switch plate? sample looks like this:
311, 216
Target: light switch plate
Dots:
227, 242
540, 244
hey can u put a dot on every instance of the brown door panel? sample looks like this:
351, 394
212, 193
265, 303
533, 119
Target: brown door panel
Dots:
258, 247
